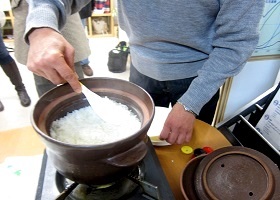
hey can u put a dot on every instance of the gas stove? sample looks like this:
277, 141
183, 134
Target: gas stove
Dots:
146, 181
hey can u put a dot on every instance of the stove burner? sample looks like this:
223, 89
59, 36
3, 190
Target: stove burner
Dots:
154, 186
116, 190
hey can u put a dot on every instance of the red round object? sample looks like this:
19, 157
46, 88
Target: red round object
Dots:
207, 149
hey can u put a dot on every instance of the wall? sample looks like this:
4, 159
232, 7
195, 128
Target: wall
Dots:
252, 81
5, 5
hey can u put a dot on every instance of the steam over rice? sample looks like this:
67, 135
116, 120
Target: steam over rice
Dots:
84, 127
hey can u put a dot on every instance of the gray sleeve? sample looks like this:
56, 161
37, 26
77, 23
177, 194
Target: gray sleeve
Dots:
51, 13
236, 37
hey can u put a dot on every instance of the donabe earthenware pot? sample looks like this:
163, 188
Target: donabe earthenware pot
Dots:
94, 164
231, 173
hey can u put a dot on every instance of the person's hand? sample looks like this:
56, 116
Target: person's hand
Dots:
52, 57
178, 126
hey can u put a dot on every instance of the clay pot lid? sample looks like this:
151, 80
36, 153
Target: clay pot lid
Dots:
187, 178
236, 173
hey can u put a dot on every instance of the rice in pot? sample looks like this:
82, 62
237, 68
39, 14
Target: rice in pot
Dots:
84, 127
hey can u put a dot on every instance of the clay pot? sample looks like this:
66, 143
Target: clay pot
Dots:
231, 173
187, 179
94, 164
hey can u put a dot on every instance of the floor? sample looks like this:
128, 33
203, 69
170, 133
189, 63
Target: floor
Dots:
16, 116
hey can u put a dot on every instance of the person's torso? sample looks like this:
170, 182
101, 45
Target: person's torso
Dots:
164, 33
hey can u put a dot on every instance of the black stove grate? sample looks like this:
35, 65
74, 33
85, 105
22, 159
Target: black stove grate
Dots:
154, 176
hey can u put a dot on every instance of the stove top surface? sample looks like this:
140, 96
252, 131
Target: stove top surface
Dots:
154, 178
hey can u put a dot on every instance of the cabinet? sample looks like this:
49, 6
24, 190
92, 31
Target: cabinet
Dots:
101, 22
7, 30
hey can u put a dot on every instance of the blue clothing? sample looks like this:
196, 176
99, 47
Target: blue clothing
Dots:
10, 68
165, 93
210, 39
171, 40
86, 60
51, 13
5, 57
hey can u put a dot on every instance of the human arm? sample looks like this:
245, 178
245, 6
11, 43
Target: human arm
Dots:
235, 38
51, 13
50, 55
178, 126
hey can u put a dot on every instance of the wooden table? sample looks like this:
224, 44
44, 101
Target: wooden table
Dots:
25, 142
20, 142
173, 160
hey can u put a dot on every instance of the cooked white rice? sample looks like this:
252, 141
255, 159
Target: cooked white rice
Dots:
84, 127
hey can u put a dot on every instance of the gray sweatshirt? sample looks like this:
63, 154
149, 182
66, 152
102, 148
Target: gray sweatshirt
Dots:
210, 39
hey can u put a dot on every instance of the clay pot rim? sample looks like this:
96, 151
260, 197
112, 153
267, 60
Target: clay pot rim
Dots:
273, 167
48, 138
263, 160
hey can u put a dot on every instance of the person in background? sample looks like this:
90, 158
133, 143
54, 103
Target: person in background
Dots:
84, 14
10, 68
180, 53
1, 106
73, 32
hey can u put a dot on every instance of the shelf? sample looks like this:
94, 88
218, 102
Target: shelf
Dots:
7, 30
102, 15
102, 24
